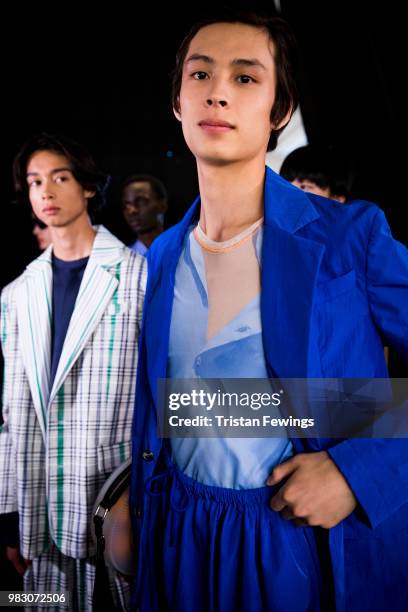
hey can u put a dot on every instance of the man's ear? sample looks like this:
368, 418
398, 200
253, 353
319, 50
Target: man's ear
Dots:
177, 110
89, 194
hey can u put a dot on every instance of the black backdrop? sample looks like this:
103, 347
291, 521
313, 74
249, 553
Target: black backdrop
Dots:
104, 78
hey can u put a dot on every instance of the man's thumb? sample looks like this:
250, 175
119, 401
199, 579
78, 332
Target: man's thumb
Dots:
281, 471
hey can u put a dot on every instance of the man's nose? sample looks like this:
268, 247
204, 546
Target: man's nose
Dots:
47, 193
218, 93
216, 101
132, 209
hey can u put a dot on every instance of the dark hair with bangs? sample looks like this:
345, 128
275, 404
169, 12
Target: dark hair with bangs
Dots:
82, 165
286, 61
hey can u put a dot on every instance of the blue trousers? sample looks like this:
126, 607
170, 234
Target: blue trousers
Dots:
210, 549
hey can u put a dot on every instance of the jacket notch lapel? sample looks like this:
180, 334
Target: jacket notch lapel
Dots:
34, 313
290, 265
97, 288
158, 318
289, 272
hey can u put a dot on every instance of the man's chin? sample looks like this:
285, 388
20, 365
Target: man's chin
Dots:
141, 231
216, 156
217, 159
57, 224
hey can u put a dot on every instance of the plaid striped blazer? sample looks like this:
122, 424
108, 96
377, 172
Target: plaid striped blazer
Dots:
58, 445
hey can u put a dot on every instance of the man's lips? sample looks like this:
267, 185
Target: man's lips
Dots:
214, 126
50, 210
134, 220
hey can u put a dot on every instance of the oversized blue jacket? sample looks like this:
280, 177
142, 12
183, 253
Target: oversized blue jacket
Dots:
334, 287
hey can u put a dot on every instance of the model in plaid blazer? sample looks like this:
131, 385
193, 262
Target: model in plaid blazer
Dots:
57, 446
61, 439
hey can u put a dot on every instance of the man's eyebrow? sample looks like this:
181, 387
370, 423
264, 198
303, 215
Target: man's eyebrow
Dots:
248, 62
62, 169
195, 57
240, 61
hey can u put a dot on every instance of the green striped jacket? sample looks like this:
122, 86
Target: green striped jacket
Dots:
59, 445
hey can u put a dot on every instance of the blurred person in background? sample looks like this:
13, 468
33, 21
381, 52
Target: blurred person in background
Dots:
41, 233
144, 202
319, 170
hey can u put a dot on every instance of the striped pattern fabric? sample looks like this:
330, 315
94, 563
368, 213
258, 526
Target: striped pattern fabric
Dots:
59, 445
56, 573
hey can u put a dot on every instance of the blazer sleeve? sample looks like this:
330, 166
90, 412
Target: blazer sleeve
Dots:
8, 485
377, 469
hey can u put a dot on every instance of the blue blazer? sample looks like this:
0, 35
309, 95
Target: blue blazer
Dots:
334, 286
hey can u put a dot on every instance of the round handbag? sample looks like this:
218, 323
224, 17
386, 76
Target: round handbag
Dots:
111, 522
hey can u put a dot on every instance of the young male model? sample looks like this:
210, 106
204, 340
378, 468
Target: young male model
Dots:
70, 328
263, 280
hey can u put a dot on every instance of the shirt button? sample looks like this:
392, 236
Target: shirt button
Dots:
148, 455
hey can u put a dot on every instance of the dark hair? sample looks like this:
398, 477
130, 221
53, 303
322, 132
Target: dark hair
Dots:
82, 165
323, 165
157, 186
286, 59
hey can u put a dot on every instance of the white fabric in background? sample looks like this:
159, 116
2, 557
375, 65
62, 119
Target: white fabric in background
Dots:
292, 137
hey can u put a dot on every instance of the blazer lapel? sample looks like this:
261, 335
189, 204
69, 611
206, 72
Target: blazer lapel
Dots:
34, 311
160, 298
290, 265
289, 270
96, 291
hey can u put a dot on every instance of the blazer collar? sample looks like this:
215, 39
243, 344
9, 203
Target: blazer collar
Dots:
285, 205
35, 315
289, 263
107, 250
97, 288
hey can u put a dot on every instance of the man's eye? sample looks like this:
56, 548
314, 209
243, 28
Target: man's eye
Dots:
244, 78
199, 75
34, 183
61, 179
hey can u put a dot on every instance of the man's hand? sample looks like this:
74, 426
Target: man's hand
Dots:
316, 493
14, 556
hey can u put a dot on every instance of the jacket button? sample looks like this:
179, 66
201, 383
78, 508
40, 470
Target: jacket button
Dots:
148, 455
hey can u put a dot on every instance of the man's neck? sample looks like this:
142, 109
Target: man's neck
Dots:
73, 241
231, 197
148, 237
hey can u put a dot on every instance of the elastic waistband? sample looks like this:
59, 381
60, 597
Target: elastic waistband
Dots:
240, 498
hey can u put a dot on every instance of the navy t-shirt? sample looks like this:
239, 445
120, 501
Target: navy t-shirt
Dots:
66, 280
